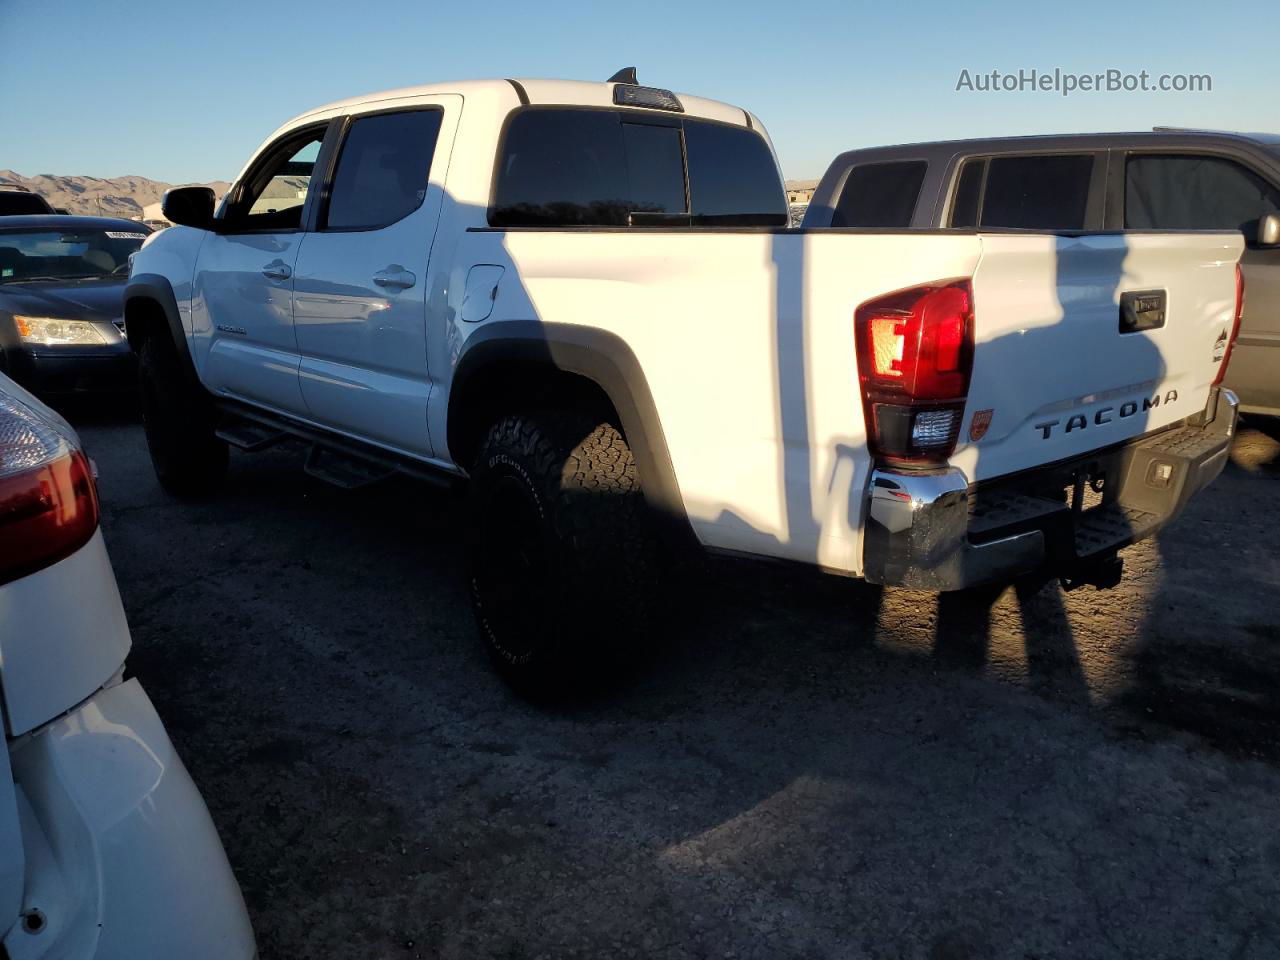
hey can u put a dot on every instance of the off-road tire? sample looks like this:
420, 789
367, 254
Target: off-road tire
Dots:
563, 552
179, 422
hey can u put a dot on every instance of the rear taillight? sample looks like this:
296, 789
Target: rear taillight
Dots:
1235, 327
915, 353
48, 502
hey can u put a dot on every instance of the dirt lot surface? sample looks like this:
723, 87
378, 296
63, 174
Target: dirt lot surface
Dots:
811, 768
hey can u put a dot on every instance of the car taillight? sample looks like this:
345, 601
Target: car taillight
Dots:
915, 354
48, 501
1235, 327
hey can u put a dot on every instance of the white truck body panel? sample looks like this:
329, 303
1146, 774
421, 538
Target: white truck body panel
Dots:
747, 341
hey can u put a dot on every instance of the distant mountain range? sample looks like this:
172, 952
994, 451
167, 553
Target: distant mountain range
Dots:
93, 196
127, 196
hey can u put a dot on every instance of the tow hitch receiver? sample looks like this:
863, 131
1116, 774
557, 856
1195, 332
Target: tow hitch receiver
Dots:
1103, 574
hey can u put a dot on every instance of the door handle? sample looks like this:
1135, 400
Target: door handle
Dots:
277, 270
396, 277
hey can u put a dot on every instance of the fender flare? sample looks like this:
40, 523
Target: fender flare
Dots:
154, 287
606, 360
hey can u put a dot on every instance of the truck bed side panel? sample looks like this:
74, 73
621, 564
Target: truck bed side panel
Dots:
746, 341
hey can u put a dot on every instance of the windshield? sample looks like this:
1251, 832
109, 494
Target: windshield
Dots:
52, 254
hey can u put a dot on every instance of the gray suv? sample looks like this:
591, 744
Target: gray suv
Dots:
1163, 180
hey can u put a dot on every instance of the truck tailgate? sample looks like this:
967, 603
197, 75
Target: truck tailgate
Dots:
1084, 342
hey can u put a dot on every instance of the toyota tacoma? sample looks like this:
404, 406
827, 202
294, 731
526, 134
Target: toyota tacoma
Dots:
584, 300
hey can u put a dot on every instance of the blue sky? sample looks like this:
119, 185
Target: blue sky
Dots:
178, 90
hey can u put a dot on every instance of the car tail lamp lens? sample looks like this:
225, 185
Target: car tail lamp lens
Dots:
1235, 328
48, 501
915, 354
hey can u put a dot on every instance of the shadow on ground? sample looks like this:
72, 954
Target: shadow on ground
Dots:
810, 767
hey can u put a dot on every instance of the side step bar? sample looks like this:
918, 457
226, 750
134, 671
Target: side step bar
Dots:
349, 473
250, 436
337, 459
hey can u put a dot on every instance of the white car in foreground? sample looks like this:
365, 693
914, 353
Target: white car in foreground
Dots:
106, 847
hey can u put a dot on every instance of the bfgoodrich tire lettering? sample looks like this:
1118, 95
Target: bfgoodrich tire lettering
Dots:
563, 556
178, 419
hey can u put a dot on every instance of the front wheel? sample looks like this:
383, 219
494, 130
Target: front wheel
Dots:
178, 419
563, 555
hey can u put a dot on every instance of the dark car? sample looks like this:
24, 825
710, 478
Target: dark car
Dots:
1166, 179
62, 285
19, 201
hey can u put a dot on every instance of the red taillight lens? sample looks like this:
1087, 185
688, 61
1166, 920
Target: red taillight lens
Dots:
1235, 327
48, 502
915, 354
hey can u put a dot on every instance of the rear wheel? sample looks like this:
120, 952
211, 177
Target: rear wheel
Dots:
563, 555
178, 418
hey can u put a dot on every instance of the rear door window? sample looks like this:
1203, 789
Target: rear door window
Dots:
1024, 192
382, 170
880, 195
1195, 193
576, 167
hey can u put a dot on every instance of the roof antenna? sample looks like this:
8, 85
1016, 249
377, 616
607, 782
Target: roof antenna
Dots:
625, 75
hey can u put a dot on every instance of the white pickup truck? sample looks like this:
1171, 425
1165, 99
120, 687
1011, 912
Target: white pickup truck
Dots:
584, 299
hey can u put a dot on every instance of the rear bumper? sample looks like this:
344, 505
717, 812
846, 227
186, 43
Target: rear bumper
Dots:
121, 858
937, 532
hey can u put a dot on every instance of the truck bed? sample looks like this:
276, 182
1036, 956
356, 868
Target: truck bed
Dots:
746, 340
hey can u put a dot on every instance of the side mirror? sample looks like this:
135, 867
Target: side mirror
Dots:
1269, 230
189, 206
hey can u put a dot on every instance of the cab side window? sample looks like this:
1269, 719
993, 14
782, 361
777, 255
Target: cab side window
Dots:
880, 195
382, 169
1195, 193
1024, 192
271, 196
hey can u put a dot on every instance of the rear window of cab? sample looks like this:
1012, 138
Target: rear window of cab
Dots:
561, 167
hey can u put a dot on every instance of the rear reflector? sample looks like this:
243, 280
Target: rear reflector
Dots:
48, 502
915, 354
1235, 327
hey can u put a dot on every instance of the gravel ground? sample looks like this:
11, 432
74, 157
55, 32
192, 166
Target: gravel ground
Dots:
810, 768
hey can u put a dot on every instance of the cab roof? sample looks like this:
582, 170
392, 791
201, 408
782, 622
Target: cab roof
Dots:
537, 91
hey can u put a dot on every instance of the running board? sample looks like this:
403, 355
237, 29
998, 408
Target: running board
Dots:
349, 473
371, 463
250, 436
